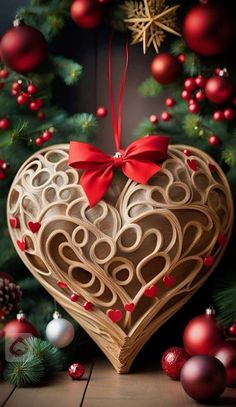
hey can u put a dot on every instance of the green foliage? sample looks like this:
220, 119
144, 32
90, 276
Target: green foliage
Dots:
150, 88
144, 128
229, 156
85, 125
49, 355
178, 47
68, 70
26, 371
225, 302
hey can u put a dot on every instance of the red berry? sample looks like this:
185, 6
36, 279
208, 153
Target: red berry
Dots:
200, 81
41, 115
193, 108
232, 330
34, 105
208, 261
74, 297
32, 89
200, 95
170, 102
153, 119
218, 116
101, 112
16, 86
22, 99
214, 140
88, 306
181, 58
47, 135
186, 95
39, 141
4, 124
192, 101
190, 84
229, 113
166, 116
4, 73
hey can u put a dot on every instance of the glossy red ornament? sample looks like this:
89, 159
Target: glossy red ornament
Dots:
101, 112
74, 297
170, 102
208, 29
173, 360
218, 116
181, 58
219, 89
165, 68
200, 81
153, 119
226, 353
16, 86
32, 89
4, 73
200, 95
214, 140
23, 48
76, 371
88, 306
190, 84
47, 135
39, 141
232, 330
186, 95
165, 116
23, 98
208, 261
202, 333
193, 108
229, 113
34, 106
203, 378
86, 13
18, 326
4, 124
187, 152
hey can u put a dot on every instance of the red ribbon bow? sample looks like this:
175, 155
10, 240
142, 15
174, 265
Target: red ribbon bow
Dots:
138, 161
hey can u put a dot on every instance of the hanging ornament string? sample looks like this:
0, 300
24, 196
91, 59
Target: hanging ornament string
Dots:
137, 161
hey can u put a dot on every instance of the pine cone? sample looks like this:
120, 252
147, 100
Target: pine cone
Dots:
10, 295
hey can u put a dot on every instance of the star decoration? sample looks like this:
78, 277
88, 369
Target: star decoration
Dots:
149, 21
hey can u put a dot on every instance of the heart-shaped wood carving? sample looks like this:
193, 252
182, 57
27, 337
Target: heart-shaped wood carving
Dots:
122, 268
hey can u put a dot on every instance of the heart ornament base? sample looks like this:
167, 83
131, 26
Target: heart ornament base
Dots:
124, 267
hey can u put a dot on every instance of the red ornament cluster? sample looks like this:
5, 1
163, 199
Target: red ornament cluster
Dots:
44, 137
193, 92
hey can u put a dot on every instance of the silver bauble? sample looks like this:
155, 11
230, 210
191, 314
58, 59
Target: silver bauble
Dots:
59, 331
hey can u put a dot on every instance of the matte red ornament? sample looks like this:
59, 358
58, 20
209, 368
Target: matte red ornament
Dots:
74, 297
86, 13
219, 89
88, 306
34, 226
101, 112
153, 119
114, 315
208, 29
226, 353
218, 116
203, 378
232, 330
168, 281
173, 360
23, 48
76, 371
208, 261
18, 326
129, 307
214, 140
202, 333
192, 164
14, 222
165, 68
21, 244
229, 113
151, 291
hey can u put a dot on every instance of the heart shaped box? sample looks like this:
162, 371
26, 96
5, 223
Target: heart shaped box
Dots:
124, 267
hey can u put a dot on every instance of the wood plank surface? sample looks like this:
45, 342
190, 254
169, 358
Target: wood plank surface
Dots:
60, 392
5, 391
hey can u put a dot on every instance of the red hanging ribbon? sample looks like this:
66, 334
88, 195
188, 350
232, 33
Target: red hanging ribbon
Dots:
138, 161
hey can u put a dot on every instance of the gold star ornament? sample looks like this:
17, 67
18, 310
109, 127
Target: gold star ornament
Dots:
149, 21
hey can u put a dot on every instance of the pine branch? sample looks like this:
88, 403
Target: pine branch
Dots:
26, 371
225, 302
67, 69
48, 354
144, 128
150, 88
178, 47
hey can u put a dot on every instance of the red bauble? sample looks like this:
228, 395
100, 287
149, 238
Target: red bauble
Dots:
186, 95
229, 113
226, 353
170, 102
39, 141
193, 108
32, 89
165, 116
219, 89
190, 84
202, 333
214, 140
218, 116
165, 68
23, 48
200, 81
200, 95
153, 119
232, 330
101, 112
173, 360
203, 377
86, 13
4, 124
76, 371
47, 135
208, 29
18, 326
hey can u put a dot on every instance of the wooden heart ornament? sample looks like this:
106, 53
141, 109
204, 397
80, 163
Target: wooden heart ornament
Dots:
124, 267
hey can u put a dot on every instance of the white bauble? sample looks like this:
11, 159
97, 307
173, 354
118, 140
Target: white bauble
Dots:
59, 331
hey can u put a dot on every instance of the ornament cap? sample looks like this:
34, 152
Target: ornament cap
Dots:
56, 315
18, 21
210, 311
21, 316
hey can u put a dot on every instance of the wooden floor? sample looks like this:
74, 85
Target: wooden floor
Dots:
102, 387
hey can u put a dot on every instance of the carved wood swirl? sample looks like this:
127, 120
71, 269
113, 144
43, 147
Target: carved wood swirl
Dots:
110, 254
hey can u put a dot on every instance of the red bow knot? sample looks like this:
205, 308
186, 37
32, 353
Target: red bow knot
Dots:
137, 162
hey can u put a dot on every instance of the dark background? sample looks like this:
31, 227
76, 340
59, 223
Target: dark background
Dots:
90, 49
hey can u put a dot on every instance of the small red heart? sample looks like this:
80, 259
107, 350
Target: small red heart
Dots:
34, 226
208, 261
21, 244
14, 222
62, 284
129, 307
221, 240
212, 167
192, 164
187, 152
74, 297
114, 314
151, 291
168, 281
88, 306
